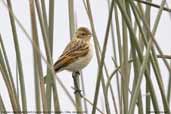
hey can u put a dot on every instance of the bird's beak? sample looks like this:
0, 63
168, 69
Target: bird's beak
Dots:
90, 35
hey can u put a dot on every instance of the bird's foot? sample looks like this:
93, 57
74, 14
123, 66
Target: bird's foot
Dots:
77, 73
78, 91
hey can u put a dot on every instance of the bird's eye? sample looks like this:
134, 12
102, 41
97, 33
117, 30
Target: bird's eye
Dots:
83, 34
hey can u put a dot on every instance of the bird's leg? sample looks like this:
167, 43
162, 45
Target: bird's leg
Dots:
77, 73
75, 78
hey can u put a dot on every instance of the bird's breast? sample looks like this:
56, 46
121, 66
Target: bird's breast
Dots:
81, 62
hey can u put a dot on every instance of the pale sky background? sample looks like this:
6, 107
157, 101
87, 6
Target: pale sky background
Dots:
61, 37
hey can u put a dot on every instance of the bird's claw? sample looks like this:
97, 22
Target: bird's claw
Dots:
78, 91
77, 73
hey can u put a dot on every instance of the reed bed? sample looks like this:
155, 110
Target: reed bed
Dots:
131, 73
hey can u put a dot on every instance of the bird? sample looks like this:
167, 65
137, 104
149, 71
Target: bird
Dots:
77, 54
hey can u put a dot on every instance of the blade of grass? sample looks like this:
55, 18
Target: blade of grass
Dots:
9, 69
37, 64
153, 5
18, 57
160, 84
134, 42
147, 17
169, 89
92, 104
13, 97
154, 60
50, 33
136, 68
102, 59
120, 53
7, 63
161, 53
44, 14
51, 75
71, 17
39, 52
44, 32
140, 75
124, 67
169, 81
2, 106
84, 93
136, 65
97, 47
51, 23
114, 54
111, 76
154, 99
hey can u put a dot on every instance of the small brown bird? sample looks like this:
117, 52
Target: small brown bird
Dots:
77, 54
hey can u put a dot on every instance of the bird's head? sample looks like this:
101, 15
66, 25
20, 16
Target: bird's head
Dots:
83, 33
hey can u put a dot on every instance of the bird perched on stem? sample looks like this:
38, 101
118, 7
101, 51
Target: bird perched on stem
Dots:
77, 54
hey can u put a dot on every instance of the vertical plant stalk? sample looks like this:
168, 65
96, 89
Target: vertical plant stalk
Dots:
136, 67
169, 81
140, 75
9, 69
151, 88
124, 68
5, 71
50, 74
40, 53
44, 32
51, 24
78, 95
50, 33
133, 38
71, 17
136, 64
39, 83
15, 105
137, 48
8, 66
148, 101
169, 88
114, 54
36, 74
120, 54
75, 75
102, 59
18, 57
154, 59
154, 62
2, 106
97, 49
44, 14
84, 94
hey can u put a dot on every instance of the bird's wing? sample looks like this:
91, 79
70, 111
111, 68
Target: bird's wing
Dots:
75, 49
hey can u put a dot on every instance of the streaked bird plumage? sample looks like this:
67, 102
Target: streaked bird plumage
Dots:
77, 54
